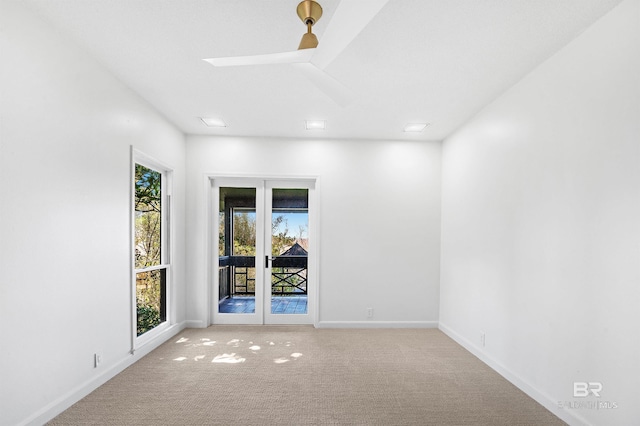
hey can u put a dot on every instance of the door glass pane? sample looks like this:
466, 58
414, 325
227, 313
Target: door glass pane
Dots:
289, 249
237, 251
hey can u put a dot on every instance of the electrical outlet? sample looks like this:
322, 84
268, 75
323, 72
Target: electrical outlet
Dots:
97, 359
482, 339
369, 312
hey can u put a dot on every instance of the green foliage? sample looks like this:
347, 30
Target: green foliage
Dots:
244, 234
221, 235
147, 239
148, 226
148, 187
148, 288
148, 318
280, 240
148, 217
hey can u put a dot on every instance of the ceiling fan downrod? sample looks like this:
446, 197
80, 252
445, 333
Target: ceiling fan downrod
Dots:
309, 12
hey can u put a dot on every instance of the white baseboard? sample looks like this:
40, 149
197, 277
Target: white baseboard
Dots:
377, 324
542, 398
56, 407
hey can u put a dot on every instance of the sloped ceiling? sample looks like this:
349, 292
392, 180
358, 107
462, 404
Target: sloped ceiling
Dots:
417, 61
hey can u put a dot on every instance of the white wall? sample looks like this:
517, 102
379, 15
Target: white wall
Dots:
541, 225
66, 126
379, 221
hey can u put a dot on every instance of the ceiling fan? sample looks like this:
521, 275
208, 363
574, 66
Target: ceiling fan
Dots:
312, 57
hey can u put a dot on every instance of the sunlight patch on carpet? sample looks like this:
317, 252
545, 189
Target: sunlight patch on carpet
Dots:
228, 359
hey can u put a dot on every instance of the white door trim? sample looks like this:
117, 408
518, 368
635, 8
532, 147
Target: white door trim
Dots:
212, 182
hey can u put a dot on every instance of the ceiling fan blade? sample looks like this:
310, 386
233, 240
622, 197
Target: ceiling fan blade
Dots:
347, 22
331, 87
295, 57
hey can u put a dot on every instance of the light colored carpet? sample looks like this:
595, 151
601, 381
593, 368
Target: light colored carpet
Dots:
299, 375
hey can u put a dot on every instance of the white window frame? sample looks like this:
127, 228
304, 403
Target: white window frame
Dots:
166, 250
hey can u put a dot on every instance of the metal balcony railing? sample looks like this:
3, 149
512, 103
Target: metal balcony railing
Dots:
237, 276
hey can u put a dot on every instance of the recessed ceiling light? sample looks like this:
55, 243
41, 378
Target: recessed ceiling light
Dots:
213, 122
315, 124
415, 127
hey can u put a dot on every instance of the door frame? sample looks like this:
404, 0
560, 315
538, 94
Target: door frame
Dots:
212, 278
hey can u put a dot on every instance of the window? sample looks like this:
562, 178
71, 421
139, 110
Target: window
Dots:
150, 246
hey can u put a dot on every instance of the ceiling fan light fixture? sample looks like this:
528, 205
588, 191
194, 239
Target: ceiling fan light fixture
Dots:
415, 127
309, 41
213, 122
315, 124
309, 13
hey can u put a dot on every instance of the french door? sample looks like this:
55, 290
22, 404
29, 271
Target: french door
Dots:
264, 257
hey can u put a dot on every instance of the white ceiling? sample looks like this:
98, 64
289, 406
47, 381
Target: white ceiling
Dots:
430, 61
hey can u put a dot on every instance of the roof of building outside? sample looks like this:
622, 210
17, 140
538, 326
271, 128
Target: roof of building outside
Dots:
295, 250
